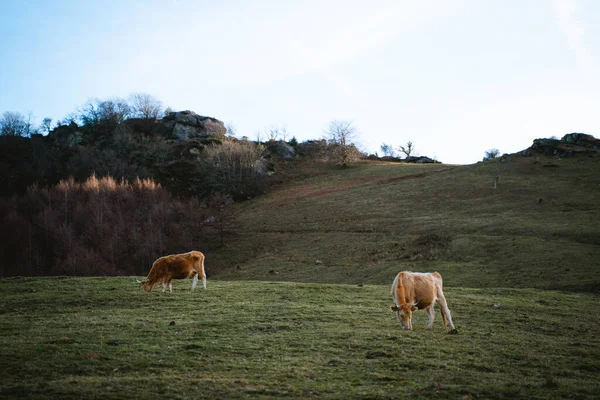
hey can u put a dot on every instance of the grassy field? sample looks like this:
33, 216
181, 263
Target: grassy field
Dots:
105, 338
539, 229
298, 299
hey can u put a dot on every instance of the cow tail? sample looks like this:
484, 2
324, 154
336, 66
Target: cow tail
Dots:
203, 272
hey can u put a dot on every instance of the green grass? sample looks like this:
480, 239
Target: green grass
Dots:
105, 338
362, 223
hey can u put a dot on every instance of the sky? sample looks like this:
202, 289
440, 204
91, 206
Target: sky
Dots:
455, 77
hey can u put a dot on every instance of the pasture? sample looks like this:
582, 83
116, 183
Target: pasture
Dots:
103, 337
538, 229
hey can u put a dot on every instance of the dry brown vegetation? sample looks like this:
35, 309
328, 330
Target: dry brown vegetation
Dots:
233, 167
100, 227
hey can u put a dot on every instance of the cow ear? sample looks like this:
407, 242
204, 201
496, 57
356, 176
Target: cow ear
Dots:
413, 308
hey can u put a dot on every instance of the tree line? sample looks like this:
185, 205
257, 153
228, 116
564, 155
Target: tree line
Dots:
92, 113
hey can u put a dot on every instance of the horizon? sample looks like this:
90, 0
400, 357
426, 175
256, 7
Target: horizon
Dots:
456, 78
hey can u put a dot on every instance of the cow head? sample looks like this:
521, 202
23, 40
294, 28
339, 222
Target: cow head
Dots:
404, 314
146, 285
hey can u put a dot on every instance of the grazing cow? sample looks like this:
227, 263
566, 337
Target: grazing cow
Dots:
414, 291
176, 266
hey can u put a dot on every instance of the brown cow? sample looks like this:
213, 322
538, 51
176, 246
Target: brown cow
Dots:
414, 291
176, 266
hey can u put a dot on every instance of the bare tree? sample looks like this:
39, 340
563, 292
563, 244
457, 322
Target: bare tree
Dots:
387, 150
275, 133
13, 124
284, 133
230, 130
145, 106
115, 110
491, 154
272, 134
341, 135
46, 125
408, 149
103, 115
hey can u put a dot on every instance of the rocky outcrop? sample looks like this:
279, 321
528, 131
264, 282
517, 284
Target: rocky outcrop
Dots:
582, 139
571, 144
185, 125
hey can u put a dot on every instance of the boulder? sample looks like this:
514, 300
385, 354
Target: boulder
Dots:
185, 125
281, 149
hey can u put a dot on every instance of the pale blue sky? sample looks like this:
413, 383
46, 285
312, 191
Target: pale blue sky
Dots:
456, 77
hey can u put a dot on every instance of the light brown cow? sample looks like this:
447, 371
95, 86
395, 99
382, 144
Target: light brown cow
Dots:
414, 291
176, 266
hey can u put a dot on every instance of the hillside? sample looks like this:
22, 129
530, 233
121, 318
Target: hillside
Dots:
539, 228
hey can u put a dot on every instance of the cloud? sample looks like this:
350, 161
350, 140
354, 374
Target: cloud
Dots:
573, 29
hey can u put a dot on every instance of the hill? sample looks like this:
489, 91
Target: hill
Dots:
539, 228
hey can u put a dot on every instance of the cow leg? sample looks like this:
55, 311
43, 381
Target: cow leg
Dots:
443, 318
171, 286
164, 285
204, 282
431, 314
446, 311
195, 282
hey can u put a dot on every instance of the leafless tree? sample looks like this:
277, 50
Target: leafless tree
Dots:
271, 134
103, 115
115, 110
341, 132
230, 130
283, 133
46, 125
95, 111
145, 106
408, 149
340, 135
275, 133
491, 154
13, 124
387, 150
30, 128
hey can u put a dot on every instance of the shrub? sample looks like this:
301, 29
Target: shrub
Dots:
98, 227
234, 168
491, 154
